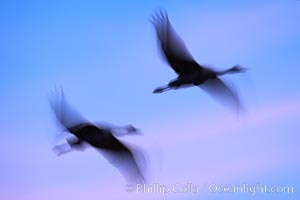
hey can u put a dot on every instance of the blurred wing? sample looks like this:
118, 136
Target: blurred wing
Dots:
220, 91
127, 163
66, 115
172, 46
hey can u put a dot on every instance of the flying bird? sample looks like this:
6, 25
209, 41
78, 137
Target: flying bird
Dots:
189, 72
128, 159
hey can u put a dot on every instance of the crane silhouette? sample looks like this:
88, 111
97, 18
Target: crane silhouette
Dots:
189, 72
126, 158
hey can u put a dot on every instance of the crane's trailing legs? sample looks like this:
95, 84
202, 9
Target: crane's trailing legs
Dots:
162, 89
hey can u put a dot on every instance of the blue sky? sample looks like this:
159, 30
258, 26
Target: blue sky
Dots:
105, 56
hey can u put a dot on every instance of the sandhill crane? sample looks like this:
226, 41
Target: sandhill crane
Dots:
128, 159
189, 72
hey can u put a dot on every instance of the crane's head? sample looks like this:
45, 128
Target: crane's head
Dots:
132, 130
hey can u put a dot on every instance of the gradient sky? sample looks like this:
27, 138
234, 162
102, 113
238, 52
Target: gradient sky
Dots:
104, 54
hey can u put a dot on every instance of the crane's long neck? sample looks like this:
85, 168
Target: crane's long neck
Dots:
232, 70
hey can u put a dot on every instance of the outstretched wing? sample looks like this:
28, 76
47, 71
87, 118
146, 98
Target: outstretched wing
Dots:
66, 115
129, 160
223, 93
172, 46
